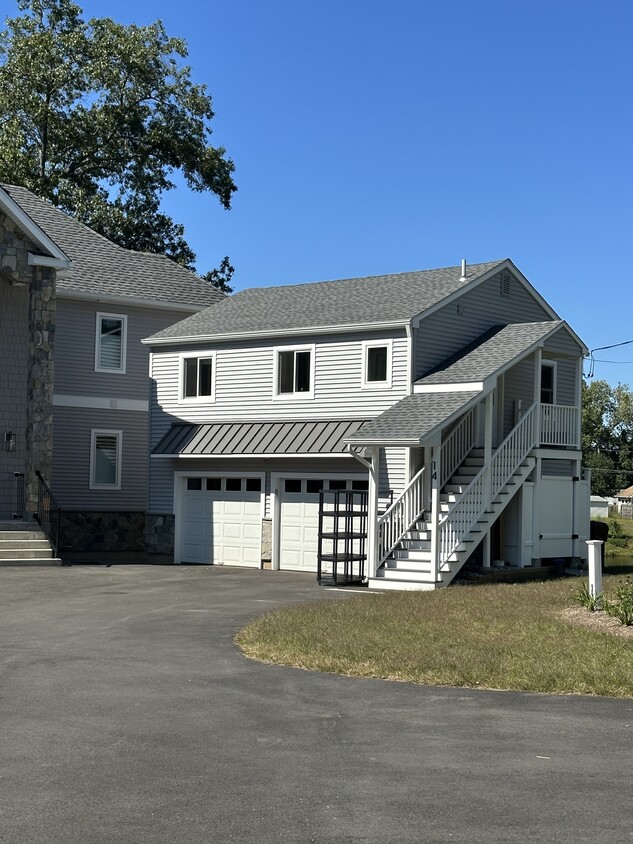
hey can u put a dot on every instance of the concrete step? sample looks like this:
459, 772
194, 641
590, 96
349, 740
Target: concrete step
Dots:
28, 553
383, 583
19, 524
32, 561
22, 536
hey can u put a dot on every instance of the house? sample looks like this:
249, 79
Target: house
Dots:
437, 411
624, 502
74, 387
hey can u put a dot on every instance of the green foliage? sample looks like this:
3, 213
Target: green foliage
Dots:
586, 598
607, 436
621, 606
98, 117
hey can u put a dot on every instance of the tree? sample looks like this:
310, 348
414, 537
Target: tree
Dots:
607, 436
98, 117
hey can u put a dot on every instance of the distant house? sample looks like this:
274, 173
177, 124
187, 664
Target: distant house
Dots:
599, 506
74, 389
624, 501
439, 411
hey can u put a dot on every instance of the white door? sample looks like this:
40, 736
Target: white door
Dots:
556, 500
222, 521
299, 519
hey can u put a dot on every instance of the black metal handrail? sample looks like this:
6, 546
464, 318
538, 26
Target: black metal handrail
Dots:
18, 513
49, 513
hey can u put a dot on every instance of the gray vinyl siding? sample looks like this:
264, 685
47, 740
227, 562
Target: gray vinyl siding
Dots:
71, 459
14, 336
75, 349
563, 349
557, 468
518, 387
244, 383
455, 325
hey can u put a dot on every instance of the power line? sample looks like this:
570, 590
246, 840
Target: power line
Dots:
592, 366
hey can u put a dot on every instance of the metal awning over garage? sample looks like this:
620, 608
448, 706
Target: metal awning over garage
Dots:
262, 439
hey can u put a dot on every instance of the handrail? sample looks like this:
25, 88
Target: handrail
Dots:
49, 513
403, 513
559, 425
457, 446
486, 485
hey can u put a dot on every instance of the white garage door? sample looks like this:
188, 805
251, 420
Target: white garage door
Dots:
221, 521
299, 519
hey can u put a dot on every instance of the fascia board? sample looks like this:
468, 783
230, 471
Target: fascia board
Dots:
30, 227
268, 455
111, 298
275, 335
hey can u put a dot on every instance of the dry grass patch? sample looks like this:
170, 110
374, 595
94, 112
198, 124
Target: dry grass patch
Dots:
498, 636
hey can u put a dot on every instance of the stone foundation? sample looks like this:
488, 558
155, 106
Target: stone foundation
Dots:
102, 531
267, 542
159, 533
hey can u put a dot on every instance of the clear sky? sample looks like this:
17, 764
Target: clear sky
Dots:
373, 137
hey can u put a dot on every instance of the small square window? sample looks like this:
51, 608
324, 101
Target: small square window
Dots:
233, 484
292, 485
337, 484
253, 484
194, 483
362, 485
110, 343
214, 484
197, 377
313, 486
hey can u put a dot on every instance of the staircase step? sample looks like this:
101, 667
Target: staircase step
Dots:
22, 536
20, 553
422, 556
401, 585
392, 565
32, 561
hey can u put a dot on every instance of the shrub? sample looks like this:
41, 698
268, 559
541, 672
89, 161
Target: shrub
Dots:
621, 606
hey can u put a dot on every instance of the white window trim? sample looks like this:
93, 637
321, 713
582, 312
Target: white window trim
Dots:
94, 433
98, 368
554, 367
204, 355
277, 396
377, 385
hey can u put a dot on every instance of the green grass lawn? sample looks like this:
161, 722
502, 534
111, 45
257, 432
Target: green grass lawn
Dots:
500, 636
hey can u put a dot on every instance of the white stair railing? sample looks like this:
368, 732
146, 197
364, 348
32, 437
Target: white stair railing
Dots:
486, 485
559, 425
402, 515
458, 444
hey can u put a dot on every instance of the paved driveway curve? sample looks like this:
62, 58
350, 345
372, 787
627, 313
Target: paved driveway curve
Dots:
127, 714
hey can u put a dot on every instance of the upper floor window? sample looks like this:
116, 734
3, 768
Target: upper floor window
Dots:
548, 382
295, 371
110, 343
105, 459
198, 377
377, 364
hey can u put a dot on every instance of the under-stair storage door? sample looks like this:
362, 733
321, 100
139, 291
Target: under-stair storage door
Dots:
556, 510
222, 521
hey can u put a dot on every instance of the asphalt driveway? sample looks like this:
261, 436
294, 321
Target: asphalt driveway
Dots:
127, 714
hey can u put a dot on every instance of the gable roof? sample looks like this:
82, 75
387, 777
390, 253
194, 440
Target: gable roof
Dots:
492, 351
300, 308
102, 270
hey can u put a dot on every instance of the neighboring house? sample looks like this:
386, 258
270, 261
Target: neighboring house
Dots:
624, 502
74, 386
599, 506
450, 397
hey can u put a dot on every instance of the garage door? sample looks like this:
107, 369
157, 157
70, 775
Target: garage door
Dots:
221, 521
299, 519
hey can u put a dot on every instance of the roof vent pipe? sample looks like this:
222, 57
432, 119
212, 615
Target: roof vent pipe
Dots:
463, 276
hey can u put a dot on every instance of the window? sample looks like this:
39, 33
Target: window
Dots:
253, 484
197, 377
194, 484
377, 364
110, 343
233, 484
548, 382
295, 372
105, 459
214, 484
292, 485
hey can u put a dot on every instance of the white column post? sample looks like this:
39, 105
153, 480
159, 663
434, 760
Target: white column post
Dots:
578, 404
595, 566
538, 360
435, 510
372, 513
488, 446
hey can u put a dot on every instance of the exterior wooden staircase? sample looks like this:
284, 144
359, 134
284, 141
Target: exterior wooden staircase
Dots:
25, 544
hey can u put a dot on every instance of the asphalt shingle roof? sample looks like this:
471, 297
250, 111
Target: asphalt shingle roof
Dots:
412, 418
490, 352
351, 301
100, 267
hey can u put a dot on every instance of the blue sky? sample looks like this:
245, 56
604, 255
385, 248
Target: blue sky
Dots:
373, 137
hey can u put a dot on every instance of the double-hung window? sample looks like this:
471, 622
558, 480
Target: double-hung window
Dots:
197, 377
110, 343
105, 459
377, 364
295, 372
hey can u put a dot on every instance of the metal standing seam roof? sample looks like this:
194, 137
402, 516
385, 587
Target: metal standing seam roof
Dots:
257, 438
493, 350
100, 267
347, 302
413, 418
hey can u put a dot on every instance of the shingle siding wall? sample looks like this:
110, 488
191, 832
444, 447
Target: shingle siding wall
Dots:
447, 330
14, 334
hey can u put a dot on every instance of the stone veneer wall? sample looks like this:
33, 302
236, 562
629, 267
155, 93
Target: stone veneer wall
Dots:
159, 533
89, 530
38, 435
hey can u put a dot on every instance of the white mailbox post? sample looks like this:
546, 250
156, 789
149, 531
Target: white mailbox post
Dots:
595, 566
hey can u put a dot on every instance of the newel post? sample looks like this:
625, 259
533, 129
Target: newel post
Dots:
435, 510
372, 513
